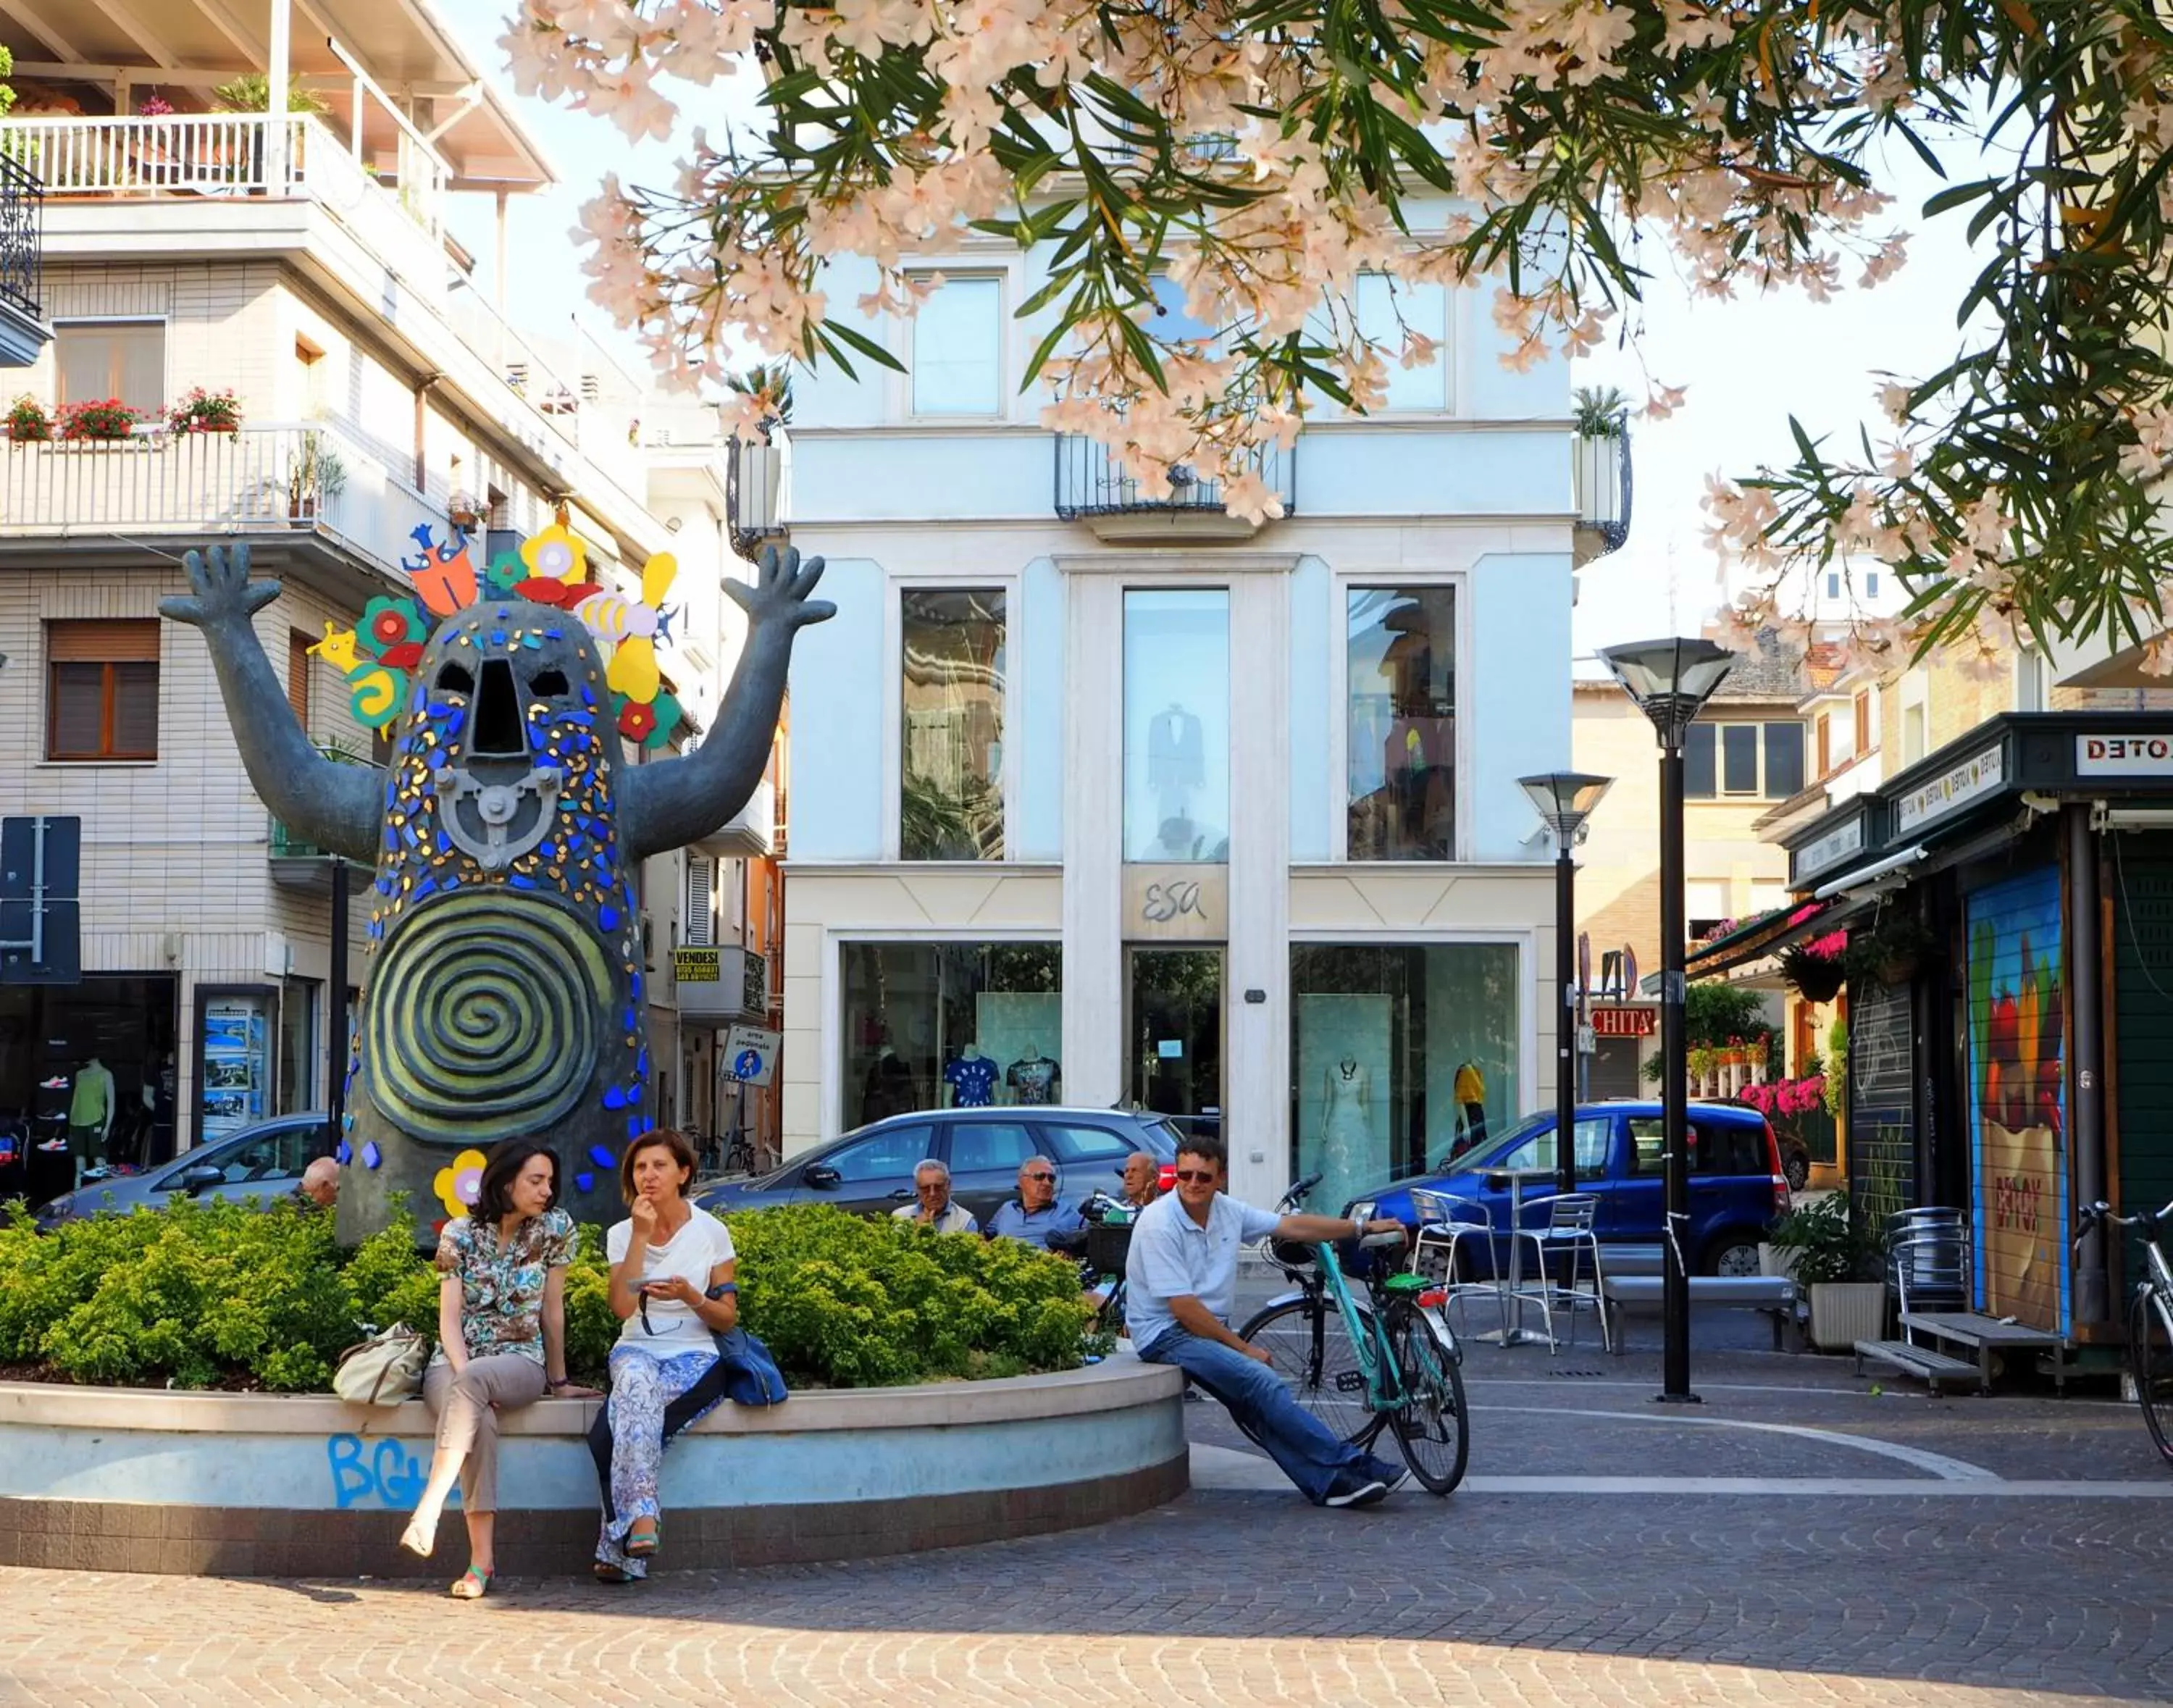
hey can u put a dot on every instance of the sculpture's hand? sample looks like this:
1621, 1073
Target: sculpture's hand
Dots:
224, 594
779, 594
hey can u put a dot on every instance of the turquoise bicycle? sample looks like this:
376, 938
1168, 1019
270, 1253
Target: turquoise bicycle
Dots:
1391, 1362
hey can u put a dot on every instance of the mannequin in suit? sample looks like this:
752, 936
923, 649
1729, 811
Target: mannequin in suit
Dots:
1177, 763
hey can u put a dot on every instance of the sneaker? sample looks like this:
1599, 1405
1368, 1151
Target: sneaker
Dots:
1358, 1492
1391, 1477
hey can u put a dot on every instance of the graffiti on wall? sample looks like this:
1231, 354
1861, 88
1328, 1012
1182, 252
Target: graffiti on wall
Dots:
2018, 1101
384, 1472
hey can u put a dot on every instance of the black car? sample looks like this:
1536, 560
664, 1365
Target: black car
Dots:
870, 1171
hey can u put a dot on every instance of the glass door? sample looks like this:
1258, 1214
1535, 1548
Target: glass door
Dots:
1173, 1005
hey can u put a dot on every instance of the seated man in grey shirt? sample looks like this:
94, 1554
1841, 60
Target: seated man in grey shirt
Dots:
1181, 1284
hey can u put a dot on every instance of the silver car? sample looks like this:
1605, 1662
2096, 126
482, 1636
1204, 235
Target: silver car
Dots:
264, 1162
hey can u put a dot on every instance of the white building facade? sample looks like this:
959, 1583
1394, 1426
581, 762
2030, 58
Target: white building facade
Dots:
1097, 801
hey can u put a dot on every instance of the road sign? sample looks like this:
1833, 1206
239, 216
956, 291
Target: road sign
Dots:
1624, 1022
750, 1053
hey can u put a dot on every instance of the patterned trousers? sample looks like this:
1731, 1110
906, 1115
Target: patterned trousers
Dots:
642, 1389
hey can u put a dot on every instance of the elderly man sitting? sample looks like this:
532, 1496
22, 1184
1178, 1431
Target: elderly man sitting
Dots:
1034, 1216
931, 1188
1142, 1180
320, 1183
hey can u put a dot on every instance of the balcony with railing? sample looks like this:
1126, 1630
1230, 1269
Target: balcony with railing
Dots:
1092, 487
1599, 476
23, 332
282, 479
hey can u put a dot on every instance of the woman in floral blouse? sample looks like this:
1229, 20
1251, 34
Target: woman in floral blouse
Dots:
501, 1341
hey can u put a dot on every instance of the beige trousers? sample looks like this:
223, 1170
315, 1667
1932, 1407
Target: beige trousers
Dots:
467, 1406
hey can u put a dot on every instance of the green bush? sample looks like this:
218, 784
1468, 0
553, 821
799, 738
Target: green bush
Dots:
218, 1294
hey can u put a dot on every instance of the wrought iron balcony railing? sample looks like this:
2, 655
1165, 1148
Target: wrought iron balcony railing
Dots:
1600, 473
1089, 482
22, 237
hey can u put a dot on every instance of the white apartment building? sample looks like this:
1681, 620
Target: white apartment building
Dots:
1099, 800
302, 262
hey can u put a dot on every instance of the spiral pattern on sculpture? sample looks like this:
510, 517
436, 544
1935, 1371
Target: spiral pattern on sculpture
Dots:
483, 1017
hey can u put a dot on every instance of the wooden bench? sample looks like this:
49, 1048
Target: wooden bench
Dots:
1775, 1294
1930, 1367
1992, 1338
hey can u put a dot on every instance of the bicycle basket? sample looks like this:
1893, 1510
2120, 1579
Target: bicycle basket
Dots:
1290, 1254
1107, 1247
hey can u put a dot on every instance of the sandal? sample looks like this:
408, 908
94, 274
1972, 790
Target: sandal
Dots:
608, 1573
471, 1585
644, 1546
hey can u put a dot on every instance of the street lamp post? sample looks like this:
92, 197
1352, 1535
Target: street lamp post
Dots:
1671, 680
1564, 801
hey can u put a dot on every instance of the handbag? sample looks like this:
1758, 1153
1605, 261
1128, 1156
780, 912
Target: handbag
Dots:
751, 1376
385, 1370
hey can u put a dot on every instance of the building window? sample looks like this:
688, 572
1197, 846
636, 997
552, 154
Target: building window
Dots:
298, 677
1825, 743
97, 359
1400, 719
1871, 584
933, 1026
951, 800
103, 690
957, 348
1403, 1055
1385, 309
1863, 709
1743, 760
1176, 725
1833, 584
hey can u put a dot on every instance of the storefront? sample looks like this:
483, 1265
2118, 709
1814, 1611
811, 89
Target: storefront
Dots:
2014, 1055
100, 1051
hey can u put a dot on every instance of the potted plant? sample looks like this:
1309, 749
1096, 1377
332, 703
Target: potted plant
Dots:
1835, 1253
205, 411
1892, 950
465, 509
1816, 967
106, 419
28, 421
315, 476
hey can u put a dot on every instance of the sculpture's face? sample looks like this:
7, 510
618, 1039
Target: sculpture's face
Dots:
504, 691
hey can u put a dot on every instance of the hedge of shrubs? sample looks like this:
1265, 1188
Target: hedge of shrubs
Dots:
224, 1295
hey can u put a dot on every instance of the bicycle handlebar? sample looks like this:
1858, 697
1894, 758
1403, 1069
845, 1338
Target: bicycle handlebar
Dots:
1298, 1189
2091, 1215
1384, 1239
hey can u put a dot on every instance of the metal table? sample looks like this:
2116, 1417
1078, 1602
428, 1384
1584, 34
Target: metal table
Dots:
1514, 1333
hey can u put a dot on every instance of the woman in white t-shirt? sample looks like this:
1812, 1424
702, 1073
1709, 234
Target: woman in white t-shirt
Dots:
671, 1286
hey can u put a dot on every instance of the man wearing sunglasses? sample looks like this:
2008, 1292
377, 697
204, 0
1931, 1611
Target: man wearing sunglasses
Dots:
1034, 1215
1182, 1283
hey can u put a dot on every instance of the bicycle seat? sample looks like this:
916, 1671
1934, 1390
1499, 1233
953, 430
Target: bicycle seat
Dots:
1404, 1282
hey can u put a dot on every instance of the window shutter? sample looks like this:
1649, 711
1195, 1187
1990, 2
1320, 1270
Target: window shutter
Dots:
79, 711
298, 677
1826, 742
135, 711
1864, 722
700, 881
127, 640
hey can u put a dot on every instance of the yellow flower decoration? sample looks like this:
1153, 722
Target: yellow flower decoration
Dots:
460, 1182
555, 555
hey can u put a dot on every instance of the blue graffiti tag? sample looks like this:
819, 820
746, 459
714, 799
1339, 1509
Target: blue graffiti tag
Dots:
391, 1476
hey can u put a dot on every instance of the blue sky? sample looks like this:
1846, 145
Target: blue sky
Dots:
1748, 365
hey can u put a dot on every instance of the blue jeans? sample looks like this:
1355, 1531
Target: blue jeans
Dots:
1259, 1401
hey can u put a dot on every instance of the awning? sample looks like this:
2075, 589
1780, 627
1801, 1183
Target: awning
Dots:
1756, 939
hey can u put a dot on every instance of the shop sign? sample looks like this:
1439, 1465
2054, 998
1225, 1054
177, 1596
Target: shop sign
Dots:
1979, 775
1830, 849
1624, 1022
2124, 755
697, 966
1184, 904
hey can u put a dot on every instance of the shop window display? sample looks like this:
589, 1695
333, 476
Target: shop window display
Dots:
933, 1026
1401, 723
1176, 725
1403, 1057
950, 805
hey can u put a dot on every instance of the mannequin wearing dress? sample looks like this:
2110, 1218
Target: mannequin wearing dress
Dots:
1346, 1129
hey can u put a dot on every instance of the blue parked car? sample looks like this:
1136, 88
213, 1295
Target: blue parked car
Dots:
1737, 1185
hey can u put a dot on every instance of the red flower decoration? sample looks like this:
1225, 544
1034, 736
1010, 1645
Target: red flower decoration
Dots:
637, 721
388, 627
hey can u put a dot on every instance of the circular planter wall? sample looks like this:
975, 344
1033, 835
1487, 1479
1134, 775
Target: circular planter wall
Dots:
125, 1479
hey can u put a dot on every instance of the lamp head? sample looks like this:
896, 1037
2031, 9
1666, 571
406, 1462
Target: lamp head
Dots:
1671, 680
1564, 800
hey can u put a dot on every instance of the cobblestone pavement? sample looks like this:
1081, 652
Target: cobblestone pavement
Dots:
1233, 1595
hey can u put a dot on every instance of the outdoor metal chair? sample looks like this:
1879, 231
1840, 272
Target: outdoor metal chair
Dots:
1446, 1223
1568, 1238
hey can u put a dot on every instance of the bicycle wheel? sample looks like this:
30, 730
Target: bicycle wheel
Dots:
1309, 1346
1430, 1425
2152, 1361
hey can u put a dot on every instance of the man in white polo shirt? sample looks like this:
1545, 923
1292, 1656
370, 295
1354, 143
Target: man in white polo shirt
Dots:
1182, 1282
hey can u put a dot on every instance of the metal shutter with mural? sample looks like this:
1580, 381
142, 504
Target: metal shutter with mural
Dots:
2018, 1171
